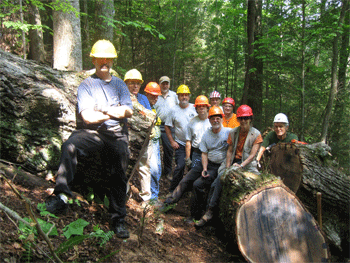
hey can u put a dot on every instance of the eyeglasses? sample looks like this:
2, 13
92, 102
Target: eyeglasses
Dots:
244, 118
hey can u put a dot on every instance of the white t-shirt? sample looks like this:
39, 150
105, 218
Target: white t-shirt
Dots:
164, 105
195, 130
179, 118
215, 144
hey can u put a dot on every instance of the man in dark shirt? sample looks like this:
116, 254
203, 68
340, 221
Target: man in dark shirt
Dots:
280, 134
103, 104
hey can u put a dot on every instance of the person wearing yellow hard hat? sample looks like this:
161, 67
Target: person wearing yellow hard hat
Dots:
179, 116
104, 105
167, 100
133, 80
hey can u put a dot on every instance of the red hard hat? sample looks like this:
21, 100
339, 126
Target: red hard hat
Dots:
244, 111
215, 94
229, 100
153, 88
215, 110
201, 100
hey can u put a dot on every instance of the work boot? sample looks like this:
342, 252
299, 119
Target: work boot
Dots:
55, 205
119, 228
205, 218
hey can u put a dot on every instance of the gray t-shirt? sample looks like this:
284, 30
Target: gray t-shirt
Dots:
179, 119
195, 130
164, 105
215, 144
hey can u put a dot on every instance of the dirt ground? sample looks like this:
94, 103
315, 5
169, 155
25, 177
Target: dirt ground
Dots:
177, 241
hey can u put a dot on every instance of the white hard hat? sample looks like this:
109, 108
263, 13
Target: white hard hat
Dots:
281, 117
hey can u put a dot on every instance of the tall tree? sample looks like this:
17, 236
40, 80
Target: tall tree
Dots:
333, 90
105, 10
67, 49
36, 45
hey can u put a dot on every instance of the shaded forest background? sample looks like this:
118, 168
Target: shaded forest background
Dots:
274, 55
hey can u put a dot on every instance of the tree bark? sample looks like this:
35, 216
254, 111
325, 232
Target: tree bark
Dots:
106, 9
67, 49
36, 45
268, 221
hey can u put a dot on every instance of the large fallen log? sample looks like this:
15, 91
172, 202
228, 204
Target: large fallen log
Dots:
268, 221
38, 113
318, 174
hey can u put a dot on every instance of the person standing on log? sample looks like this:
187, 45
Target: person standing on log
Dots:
279, 134
164, 104
103, 104
244, 142
213, 147
179, 117
230, 119
133, 80
152, 91
195, 130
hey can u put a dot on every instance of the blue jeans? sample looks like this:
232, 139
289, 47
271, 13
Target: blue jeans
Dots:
156, 169
168, 151
180, 155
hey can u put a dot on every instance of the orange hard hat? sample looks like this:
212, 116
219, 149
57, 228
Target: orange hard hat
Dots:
153, 88
229, 101
244, 111
215, 110
201, 100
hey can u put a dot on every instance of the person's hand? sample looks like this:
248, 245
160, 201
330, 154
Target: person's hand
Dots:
258, 164
205, 173
101, 108
175, 145
153, 133
188, 162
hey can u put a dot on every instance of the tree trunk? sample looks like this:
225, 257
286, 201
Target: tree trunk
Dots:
36, 44
269, 223
311, 166
106, 9
67, 47
333, 90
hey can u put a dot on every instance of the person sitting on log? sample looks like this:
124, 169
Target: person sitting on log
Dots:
152, 91
230, 118
280, 134
195, 130
179, 117
244, 142
213, 147
133, 80
103, 104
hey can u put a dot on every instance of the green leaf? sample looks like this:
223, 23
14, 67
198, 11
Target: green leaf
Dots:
75, 228
70, 243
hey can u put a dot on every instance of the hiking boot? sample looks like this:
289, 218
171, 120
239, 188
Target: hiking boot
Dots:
205, 218
55, 205
120, 229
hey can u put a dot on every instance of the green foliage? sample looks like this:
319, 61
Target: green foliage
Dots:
75, 228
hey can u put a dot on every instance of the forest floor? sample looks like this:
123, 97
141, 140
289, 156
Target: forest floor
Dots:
175, 240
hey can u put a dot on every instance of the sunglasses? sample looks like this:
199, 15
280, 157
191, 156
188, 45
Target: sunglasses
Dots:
244, 118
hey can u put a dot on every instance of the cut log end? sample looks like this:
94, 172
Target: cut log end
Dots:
272, 226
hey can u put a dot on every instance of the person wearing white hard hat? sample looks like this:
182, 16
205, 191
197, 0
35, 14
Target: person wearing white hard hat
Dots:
279, 134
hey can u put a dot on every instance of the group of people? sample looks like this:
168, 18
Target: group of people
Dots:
205, 136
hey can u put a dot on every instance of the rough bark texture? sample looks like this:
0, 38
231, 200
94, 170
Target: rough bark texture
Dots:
38, 113
269, 223
319, 174
67, 47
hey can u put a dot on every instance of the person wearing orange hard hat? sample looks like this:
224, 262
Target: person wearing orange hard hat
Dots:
104, 105
195, 130
243, 145
230, 119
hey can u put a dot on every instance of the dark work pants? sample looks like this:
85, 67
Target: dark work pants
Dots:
168, 152
180, 155
186, 183
200, 189
114, 148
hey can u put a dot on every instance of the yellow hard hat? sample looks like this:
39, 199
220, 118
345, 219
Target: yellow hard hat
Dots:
133, 74
183, 89
103, 49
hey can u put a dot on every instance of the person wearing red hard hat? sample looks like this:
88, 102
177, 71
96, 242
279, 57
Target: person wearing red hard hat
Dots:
230, 118
243, 144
